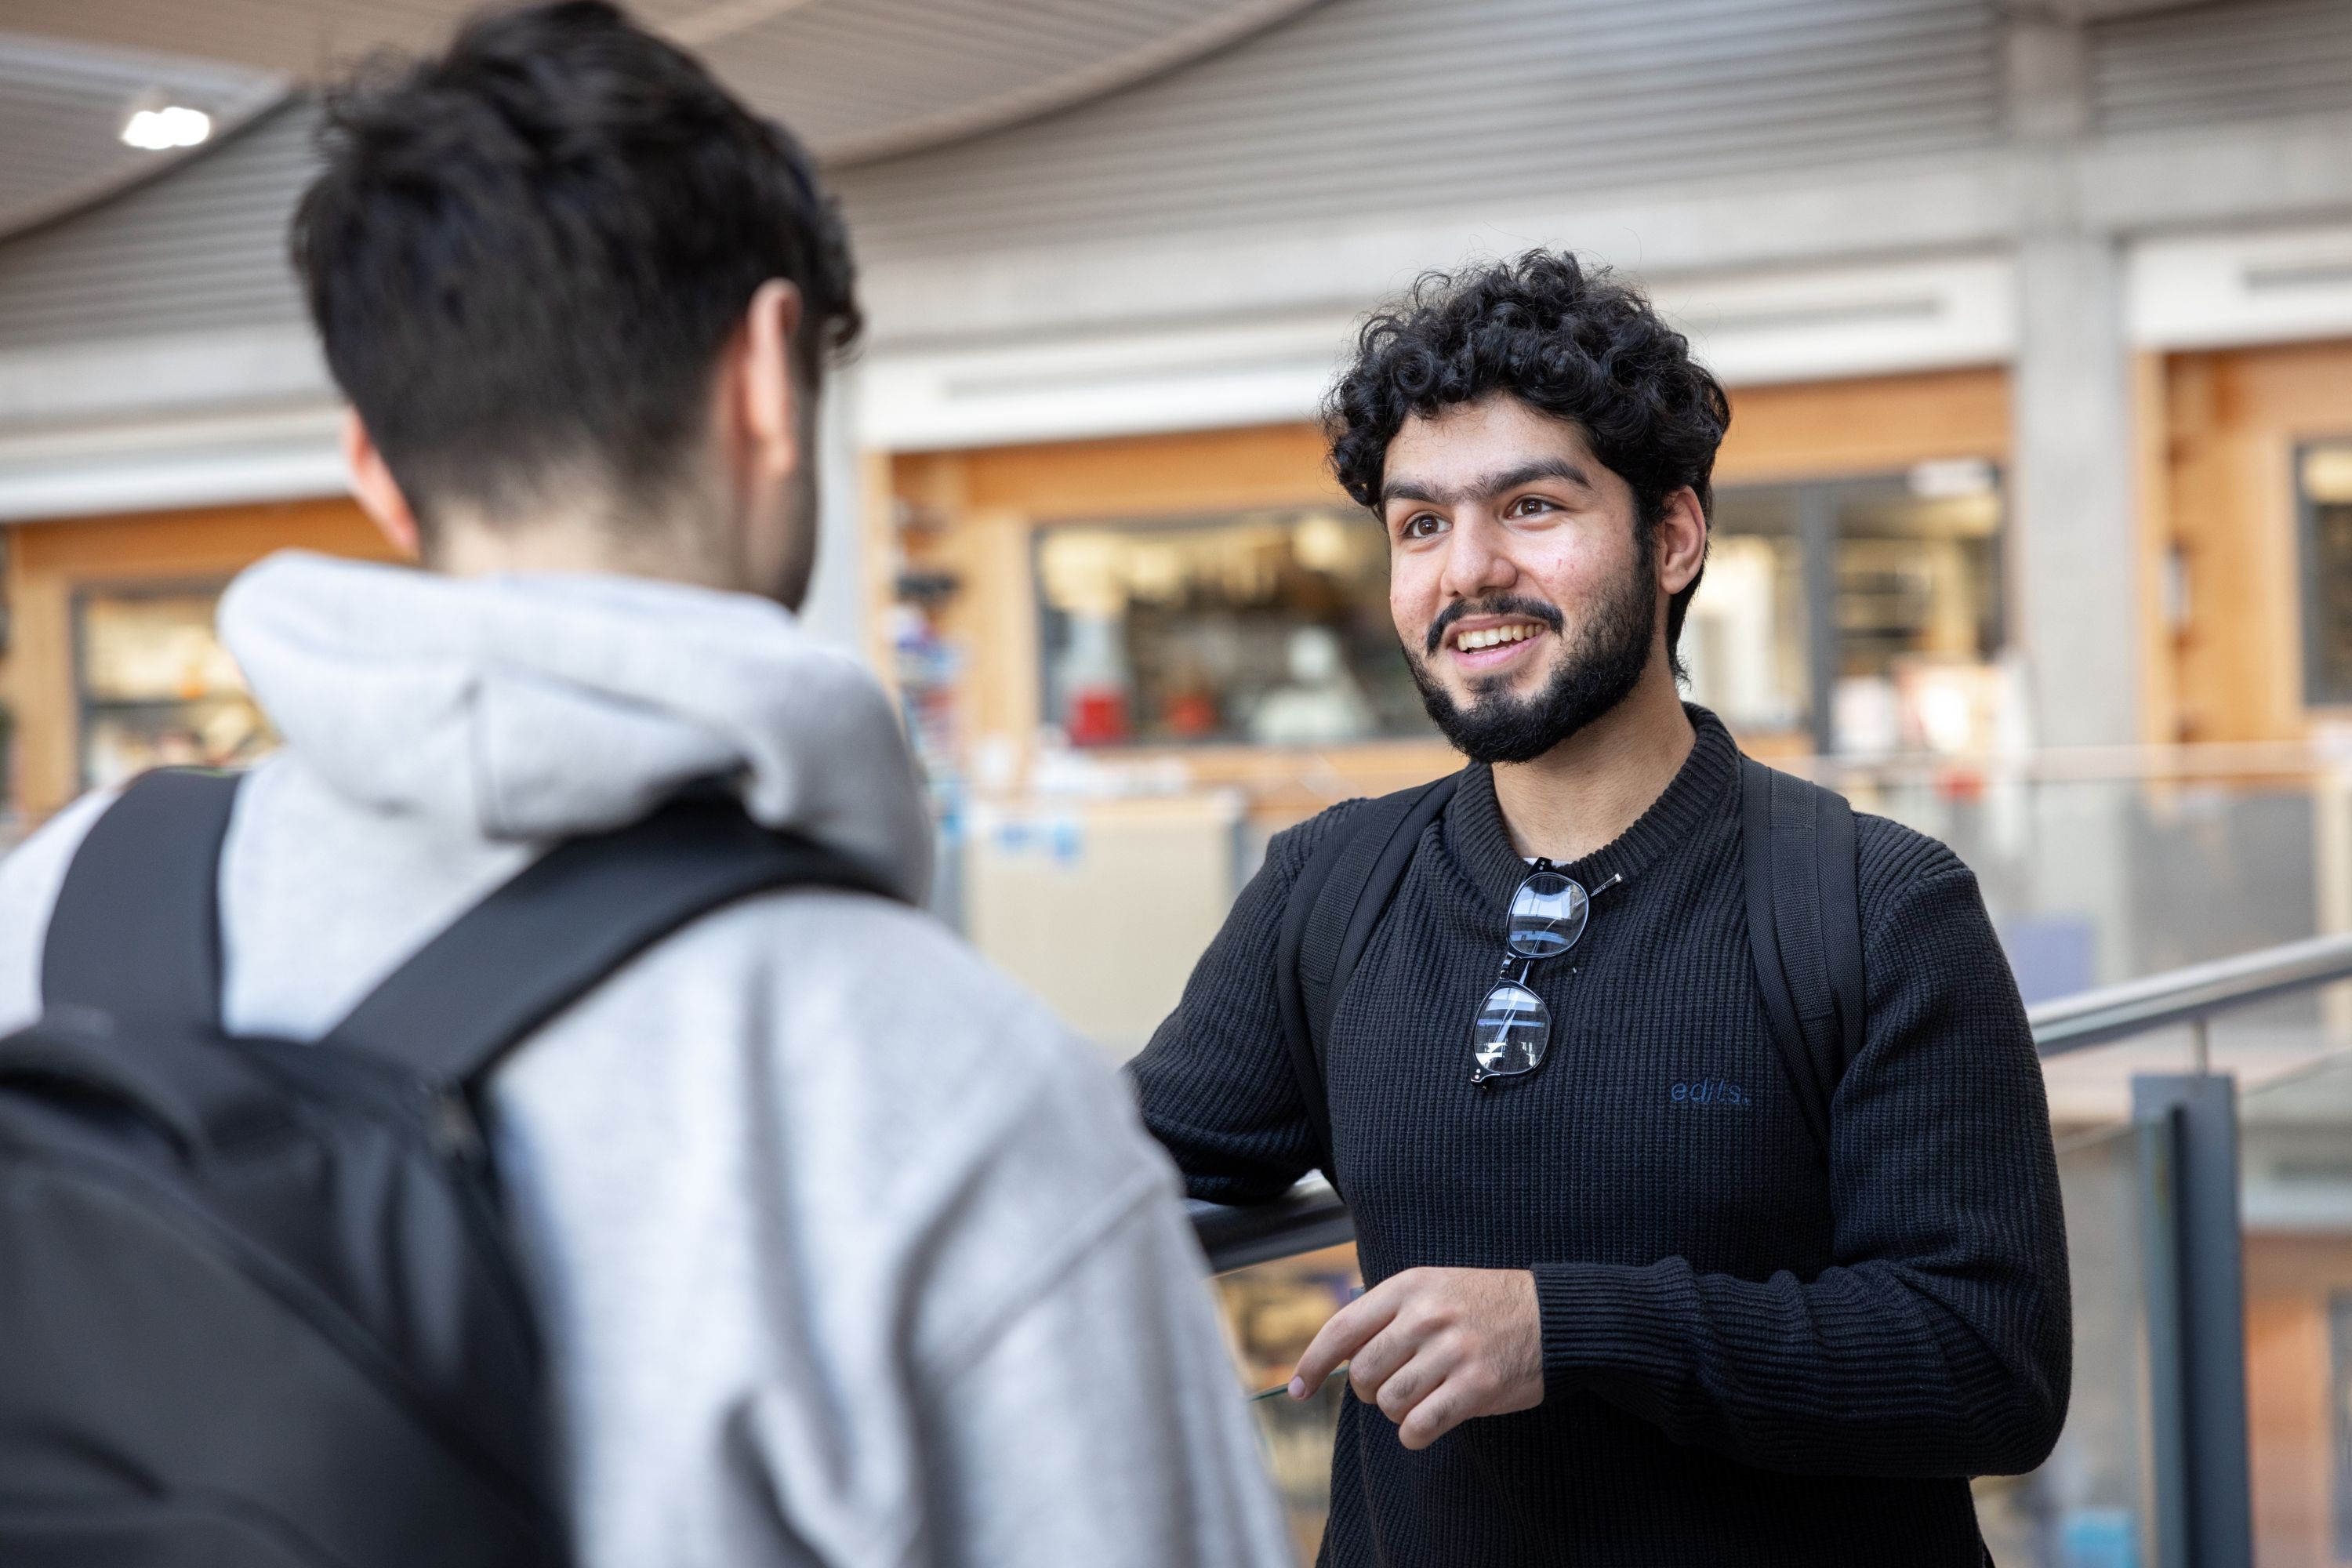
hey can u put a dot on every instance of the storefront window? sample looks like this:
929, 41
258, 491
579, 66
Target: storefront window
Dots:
1269, 627
1744, 640
1918, 593
157, 687
1859, 616
1862, 614
2326, 477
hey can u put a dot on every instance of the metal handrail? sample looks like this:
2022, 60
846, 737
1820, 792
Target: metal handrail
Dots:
1311, 1215
1308, 1216
2185, 995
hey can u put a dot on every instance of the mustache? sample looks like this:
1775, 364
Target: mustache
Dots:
1460, 609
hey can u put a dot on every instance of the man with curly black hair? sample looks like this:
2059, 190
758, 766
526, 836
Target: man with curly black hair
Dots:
1721, 1226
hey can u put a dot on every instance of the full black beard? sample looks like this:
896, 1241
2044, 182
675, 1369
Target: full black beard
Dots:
1594, 672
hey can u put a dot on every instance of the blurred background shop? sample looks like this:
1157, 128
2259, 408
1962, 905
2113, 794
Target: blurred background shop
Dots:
2034, 524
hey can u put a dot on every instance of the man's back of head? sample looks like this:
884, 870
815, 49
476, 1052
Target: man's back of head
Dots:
580, 299
843, 1250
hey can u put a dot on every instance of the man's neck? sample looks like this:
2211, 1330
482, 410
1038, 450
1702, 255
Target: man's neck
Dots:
1582, 793
585, 535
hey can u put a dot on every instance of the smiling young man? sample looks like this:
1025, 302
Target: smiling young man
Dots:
1629, 1301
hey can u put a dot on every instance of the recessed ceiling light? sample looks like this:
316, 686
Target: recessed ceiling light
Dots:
173, 125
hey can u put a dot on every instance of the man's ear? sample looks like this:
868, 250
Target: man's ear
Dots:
1682, 540
379, 494
766, 402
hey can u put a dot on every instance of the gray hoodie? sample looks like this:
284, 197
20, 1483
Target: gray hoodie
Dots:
845, 1251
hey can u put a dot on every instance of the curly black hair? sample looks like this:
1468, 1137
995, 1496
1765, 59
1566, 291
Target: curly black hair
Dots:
1567, 340
529, 250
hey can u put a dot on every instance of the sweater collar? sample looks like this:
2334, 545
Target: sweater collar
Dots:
1480, 843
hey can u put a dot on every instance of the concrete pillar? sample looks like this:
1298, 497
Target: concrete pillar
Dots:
2073, 564
2074, 571
2073, 558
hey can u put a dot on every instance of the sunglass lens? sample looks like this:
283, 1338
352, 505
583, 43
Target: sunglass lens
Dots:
1513, 1030
1546, 915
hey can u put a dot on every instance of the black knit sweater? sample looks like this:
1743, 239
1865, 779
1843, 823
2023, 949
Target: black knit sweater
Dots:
1751, 1355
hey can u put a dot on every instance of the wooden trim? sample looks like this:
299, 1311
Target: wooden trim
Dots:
1144, 476
2233, 419
1835, 429
49, 563
2152, 490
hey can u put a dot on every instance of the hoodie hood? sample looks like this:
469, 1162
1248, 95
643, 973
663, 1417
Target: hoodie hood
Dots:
535, 707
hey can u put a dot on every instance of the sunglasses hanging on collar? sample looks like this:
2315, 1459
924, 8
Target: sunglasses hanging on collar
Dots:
1513, 1029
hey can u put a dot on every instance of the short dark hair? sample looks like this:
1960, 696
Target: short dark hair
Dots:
527, 252
1566, 340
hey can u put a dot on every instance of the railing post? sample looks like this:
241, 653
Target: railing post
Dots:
2193, 1257
2159, 1227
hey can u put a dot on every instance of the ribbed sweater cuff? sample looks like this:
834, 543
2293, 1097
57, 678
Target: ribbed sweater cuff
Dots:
1598, 1319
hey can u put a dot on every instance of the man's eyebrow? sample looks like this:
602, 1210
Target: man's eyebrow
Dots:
1560, 469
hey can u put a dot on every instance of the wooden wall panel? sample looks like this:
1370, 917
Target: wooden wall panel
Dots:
1141, 476
1808, 430
2159, 684
1813, 430
2234, 419
50, 561
2289, 1282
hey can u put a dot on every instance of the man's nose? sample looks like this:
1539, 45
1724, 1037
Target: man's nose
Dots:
1475, 564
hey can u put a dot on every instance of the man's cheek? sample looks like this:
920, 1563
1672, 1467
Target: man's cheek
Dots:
1412, 624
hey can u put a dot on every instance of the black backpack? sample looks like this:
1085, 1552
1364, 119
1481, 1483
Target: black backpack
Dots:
257, 1306
1804, 929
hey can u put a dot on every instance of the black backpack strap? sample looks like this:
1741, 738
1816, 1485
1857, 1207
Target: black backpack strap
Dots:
567, 921
135, 931
1335, 906
1804, 929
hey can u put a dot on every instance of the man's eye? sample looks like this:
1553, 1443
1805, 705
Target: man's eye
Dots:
1421, 525
1527, 506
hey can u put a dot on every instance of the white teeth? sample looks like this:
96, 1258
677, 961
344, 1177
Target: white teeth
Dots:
1470, 642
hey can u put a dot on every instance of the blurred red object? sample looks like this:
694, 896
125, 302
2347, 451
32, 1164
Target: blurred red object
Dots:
1960, 784
1191, 715
1098, 716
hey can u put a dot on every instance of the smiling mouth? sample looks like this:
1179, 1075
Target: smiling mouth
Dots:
1495, 636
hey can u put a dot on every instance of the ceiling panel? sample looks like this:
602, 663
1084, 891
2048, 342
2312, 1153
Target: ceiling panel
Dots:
854, 77
2236, 61
878, 77
1367, 106
200, 251
62, 110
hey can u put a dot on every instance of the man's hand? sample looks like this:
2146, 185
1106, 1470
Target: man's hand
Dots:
1433, 1347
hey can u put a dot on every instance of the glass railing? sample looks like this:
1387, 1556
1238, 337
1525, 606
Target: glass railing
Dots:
1274, 1309
2086, 1508
2089, 1505
2295, 1164
2111, 864
2097, 865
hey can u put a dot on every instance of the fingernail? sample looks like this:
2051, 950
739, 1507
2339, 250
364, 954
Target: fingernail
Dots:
1298, 1388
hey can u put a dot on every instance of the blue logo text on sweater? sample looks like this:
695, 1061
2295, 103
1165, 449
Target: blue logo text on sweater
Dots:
1711, 1092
